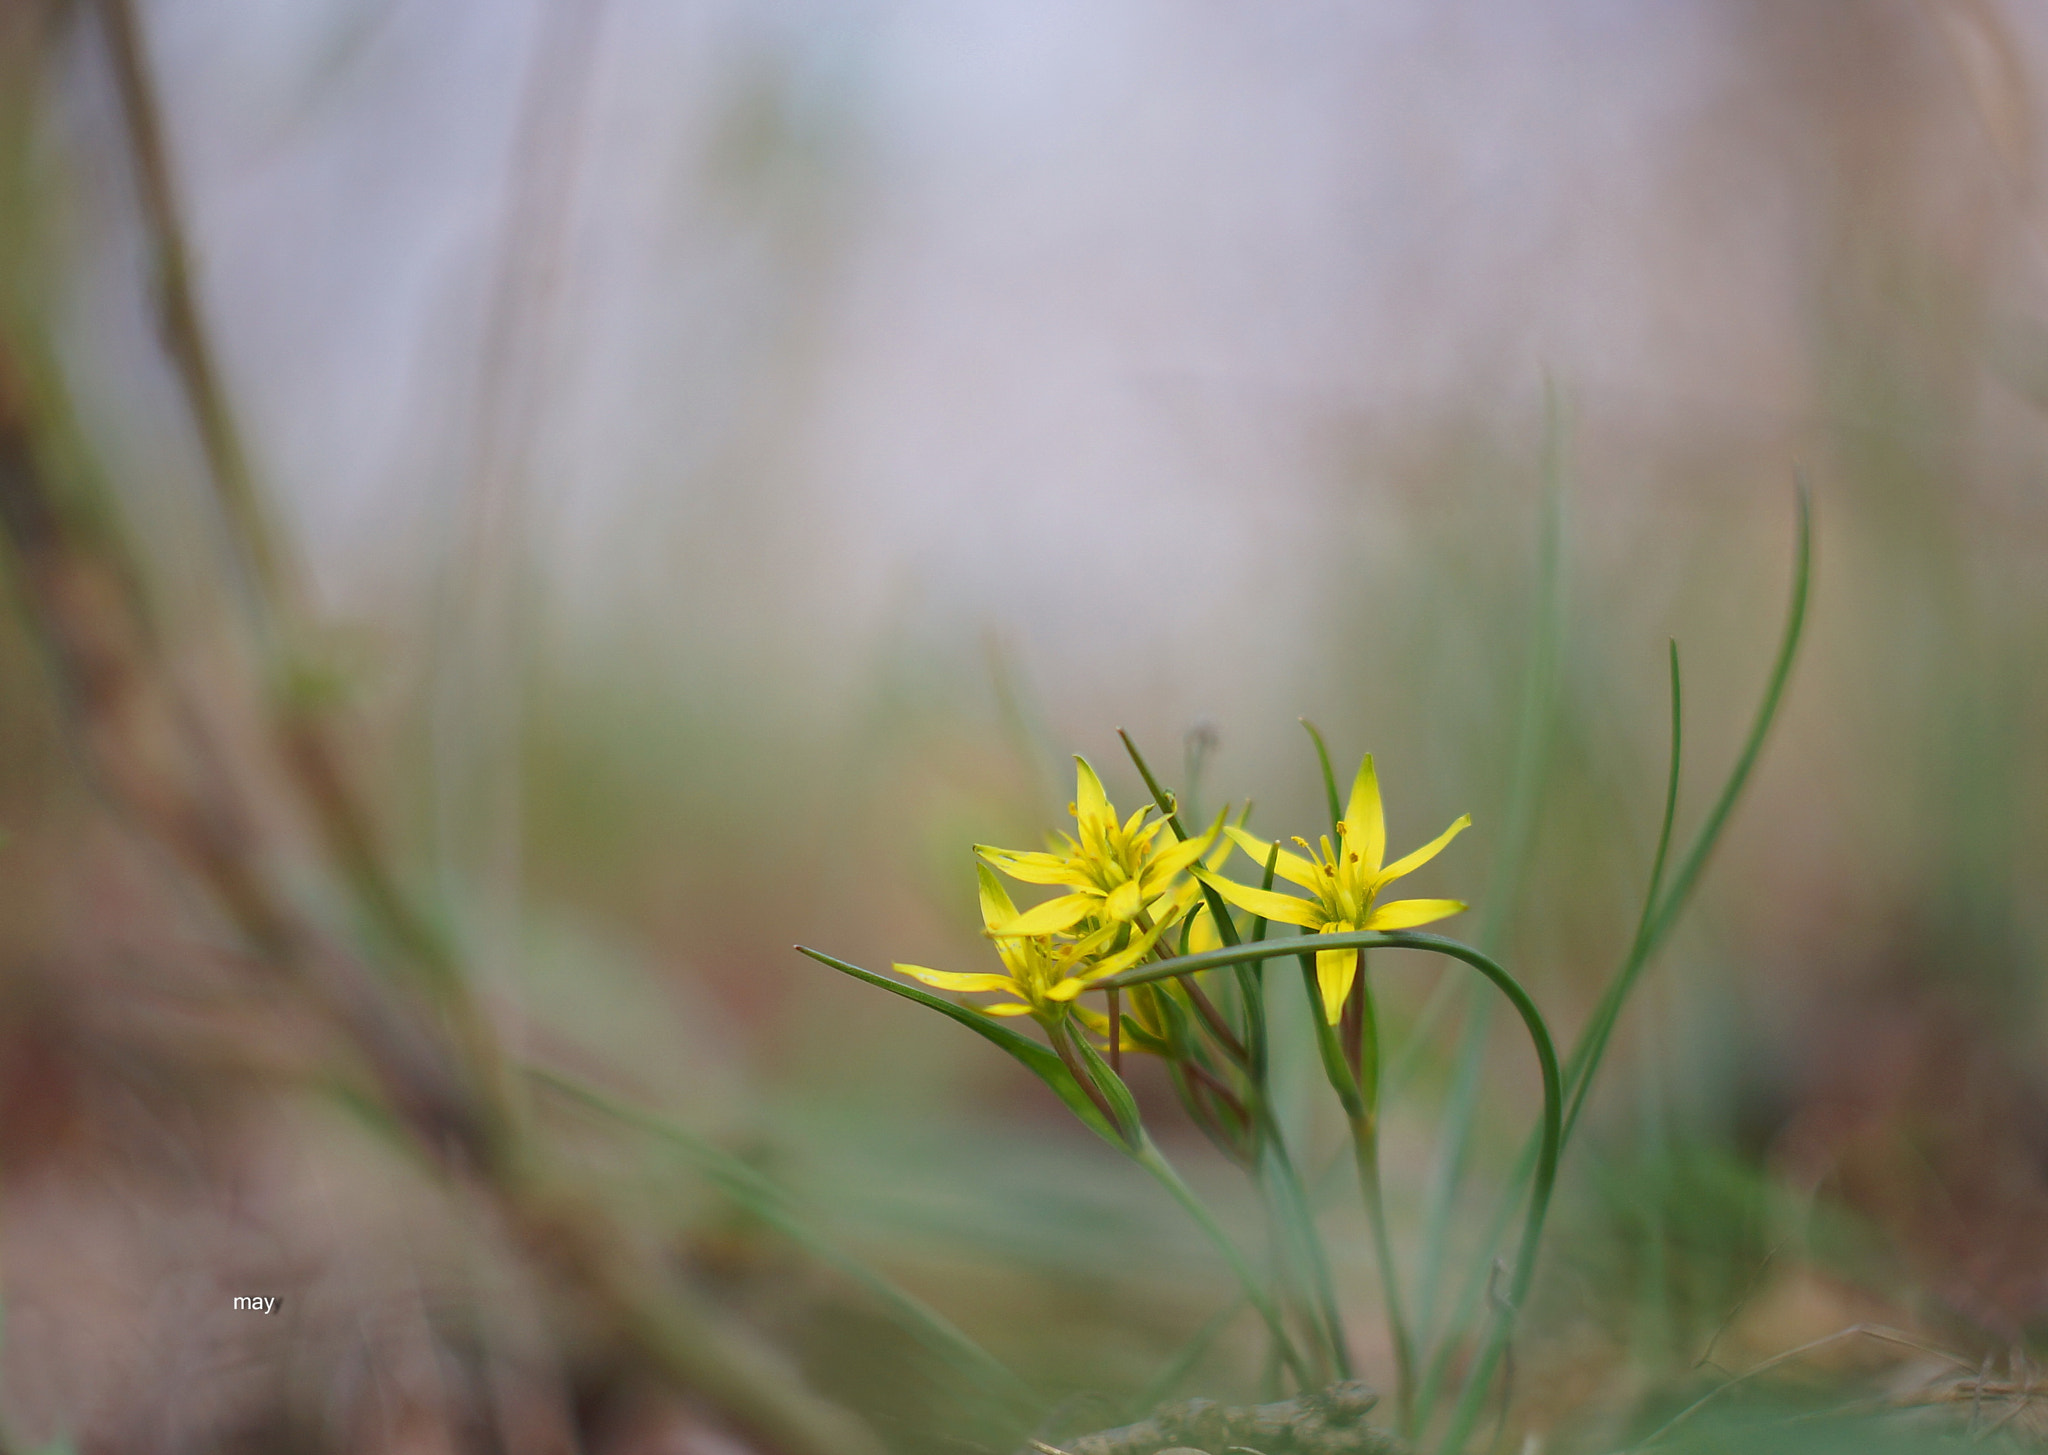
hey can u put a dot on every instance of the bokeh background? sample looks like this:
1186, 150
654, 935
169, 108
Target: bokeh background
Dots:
729, 454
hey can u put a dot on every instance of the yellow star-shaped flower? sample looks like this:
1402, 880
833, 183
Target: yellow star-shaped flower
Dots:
1046, 971
1345, 883
1114, 872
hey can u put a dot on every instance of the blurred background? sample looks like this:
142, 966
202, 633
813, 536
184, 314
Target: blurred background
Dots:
720, 459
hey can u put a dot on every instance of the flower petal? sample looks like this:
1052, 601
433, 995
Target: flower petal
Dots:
1029, 867
1220, 855
1423, 855
1139, 947
1167, 909
1405, 914
1006, 1009
1289, 866
1335, 970
1170, 861
1265, 903
997, 908
1051, 917
1124, 901
953, 980
1365, 821
1089, 799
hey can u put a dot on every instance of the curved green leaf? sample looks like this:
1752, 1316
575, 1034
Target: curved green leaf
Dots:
1040, 1061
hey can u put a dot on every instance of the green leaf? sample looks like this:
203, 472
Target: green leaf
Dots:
1329, 774
1121, 1103
1039, 1060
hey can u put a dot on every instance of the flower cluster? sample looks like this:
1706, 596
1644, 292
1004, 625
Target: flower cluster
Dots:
1124, 893
1143, 913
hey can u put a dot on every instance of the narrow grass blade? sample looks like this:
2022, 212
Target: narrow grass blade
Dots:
1150, 1158
1041, 1061
1226, 927
1535, 722
1329, 773
1585, 1057
1657, 924
776, 1207
1549, 1136
1290, 1196
1659, 914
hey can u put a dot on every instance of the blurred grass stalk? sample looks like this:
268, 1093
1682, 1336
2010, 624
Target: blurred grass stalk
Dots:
1534, 730
159, 762
1661, 908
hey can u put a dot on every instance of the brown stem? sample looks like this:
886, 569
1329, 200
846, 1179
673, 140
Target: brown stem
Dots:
151, 753
1213, 1019
1057, 1034
181, 323
1351, 1026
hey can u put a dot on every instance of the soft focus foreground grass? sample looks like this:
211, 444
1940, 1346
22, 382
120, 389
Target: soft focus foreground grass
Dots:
1823, 1108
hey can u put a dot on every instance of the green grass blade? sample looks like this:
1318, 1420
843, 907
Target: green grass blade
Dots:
1226, 927
1584, 1060
1549, 1134
1452, 1162
1329, 773
1365, 1150
1534, 728
1578, 1069
1040, 1061
776, 1207
1586, 1056
1670, 793
1149, 1157
1695, 861
1289, 1196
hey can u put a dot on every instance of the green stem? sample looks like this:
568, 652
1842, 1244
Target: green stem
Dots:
1578, 1066
1460, 1107
1335, 1067
1535, 721
1550, 1136
1149, 1157
1359, 1097
1293, 1195
1656, 923
1291, 1202
1329, 773
1695, 862
1365, 1150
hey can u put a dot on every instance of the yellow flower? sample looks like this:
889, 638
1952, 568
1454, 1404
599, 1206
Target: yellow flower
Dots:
1114, 872
1345, 883
1046, 971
